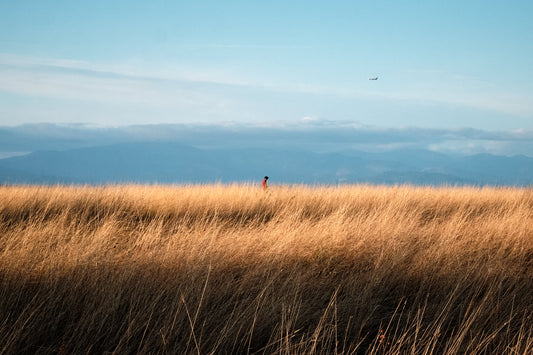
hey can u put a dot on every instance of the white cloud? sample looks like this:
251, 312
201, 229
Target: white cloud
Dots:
109, 88
309, 119
190, 94
334, 136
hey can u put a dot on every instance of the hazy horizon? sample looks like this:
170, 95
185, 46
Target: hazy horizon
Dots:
309, 152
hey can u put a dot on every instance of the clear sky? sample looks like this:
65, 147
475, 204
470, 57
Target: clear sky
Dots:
440, 63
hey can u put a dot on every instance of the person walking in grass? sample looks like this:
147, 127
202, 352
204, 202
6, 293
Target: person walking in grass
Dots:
264, 184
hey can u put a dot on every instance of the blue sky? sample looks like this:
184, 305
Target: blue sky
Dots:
441, 64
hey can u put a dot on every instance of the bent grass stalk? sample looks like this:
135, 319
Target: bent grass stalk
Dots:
300, 269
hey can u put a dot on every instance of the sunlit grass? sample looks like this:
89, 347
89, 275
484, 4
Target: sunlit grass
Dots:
298, 269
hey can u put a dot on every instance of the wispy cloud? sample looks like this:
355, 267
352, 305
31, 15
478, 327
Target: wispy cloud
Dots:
190, 94
85, 82
246, 46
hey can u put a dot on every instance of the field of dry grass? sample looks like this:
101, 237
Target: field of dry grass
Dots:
231, 269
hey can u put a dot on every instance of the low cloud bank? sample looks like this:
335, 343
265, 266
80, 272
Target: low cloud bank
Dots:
315, 135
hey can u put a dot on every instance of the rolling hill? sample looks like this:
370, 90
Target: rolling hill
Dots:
170, 162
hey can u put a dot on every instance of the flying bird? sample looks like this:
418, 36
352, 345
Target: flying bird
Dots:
376, 78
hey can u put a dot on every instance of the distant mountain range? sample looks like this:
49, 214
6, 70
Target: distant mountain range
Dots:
170, 162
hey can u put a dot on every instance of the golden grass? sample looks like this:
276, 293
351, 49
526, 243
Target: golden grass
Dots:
231, 269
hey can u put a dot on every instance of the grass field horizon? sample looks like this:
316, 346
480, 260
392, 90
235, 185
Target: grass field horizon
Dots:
298, 269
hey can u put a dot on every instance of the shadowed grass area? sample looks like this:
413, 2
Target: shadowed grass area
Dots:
230, 269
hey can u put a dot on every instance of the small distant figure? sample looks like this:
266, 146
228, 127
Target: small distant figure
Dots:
264, 184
